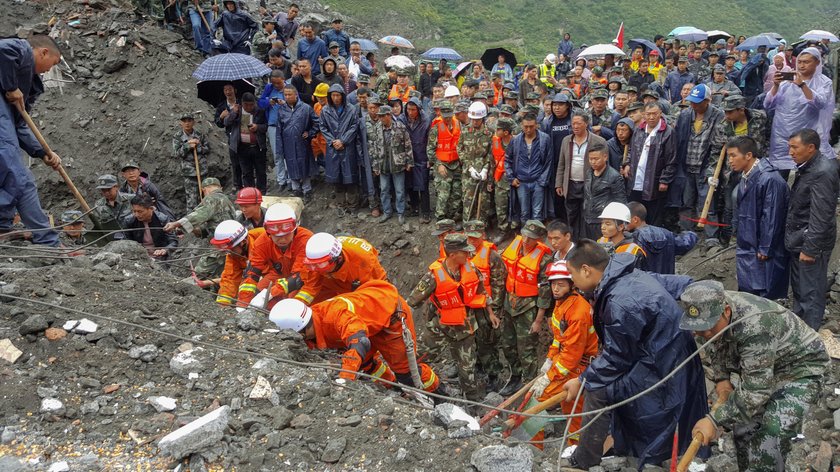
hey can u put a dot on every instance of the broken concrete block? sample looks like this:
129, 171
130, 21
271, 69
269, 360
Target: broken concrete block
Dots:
82, 326
52, 406
502, 459
186, 362
162, 403
146, 353
33, 325
8, 351
197, 435
60, 466
262, 389
447, 413
333, 450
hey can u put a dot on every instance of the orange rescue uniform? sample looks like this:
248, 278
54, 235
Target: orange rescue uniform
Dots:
378, 311
234, 271
361, 264
575, 343
268, 263
403, 96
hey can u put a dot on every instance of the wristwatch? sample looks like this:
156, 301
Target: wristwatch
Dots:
801, 84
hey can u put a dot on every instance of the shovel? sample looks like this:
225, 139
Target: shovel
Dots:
711, 194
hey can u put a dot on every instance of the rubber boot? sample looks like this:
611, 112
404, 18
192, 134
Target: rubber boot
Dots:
513, 385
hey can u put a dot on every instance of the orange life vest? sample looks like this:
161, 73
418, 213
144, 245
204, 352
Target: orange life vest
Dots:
630, 247
441, 250
452, 297
481, 261
499, 156
523, 270
395, 93
447, 141
498, 95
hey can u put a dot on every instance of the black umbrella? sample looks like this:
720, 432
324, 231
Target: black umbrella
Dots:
491, 57
212, 91
644, 43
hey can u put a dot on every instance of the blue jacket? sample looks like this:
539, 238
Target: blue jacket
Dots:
295, 149
566, 47
752, 75
762, 211
340, 123
419, 133
661, 247
682, 132
312, 51
268, 93
342, 38
674, 83
533, 167
364, 65
638, 324
238, 28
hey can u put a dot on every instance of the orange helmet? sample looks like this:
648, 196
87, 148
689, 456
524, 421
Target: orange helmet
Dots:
249, 196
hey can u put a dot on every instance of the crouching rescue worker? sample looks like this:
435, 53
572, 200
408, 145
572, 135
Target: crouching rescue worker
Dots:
575, 343
456, 289
372, 323
780, 361
276, 256
237, 241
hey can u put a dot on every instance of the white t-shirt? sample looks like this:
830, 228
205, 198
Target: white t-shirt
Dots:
639, 182
578, 156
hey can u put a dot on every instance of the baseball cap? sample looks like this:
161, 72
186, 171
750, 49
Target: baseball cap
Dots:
703, 303
474, 228
699, 93
534, 229
457, 242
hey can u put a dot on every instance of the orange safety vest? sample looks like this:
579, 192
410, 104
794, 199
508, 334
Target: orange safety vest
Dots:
441, 250
481, 261
499, 156
523, 270
395, 93
447, 141
451, 297
498, 95
630, 247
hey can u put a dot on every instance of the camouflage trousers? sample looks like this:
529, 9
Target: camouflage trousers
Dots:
210, 266
501, 199
461, 341
434, 341
488, 342
477, 207
521, 347
763, 446
448, 192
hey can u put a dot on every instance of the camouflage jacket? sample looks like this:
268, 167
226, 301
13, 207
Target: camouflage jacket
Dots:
475, 149
382, 86
498, 275
112, 216
757, 129
768, 351
700, 70
182, 150
215, 208
72, 242
605, 120
261, 44
390, 149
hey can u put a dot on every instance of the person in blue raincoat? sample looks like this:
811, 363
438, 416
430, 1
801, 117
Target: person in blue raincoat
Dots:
660, 245
21, 62
339, 124
761, 259
297, 124
237, 29
637, 319
417, 123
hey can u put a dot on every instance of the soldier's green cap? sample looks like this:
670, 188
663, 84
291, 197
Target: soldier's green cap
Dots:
211, 181
462, 107
363, 78
597, 70
616, 69
506, 109
334, 44
650, 93
453, 242
129, 165
532, 96
438, 103
511, 95
70, 217
187, 117
535, 109
616, 79
731, 56
374, 99
734, 102
703, 303
384, 110
506, 124
714, 53
534, 229
493, 111
599, 93
482, 94
474, 228
631, 88
443, 226
635, 106
446, 110
497, 74
508, 86
719, 68
682, 59
106, 181
402, 72
414, 93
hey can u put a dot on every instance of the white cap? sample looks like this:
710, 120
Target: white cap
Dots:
290, 313
451, 91
322, 245
477, 111
280, 219
229, 233
551, 57
616, 211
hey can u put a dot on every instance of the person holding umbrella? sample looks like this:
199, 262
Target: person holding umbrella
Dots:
505, 69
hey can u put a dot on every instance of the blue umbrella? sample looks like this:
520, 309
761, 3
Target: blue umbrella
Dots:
366, 44
680, 29
756, 42
442, 53
644, 43
398, 41
231, 66
691, 34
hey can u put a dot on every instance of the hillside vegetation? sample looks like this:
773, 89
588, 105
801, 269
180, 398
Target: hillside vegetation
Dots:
531, 28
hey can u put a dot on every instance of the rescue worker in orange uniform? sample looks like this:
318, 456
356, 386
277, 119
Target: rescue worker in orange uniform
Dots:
443, 145
231, 236
336, 266
528, 298
575, 343
614, 221
456, 289
402, 89
276, 256
251, 213
488, 261
370, 324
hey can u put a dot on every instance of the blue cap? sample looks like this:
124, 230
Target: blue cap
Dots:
699, 93
560, 98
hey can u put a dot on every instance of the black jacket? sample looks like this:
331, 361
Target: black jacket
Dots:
598, 192
811, 227
134, 230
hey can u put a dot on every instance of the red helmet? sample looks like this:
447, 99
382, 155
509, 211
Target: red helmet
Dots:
249, 196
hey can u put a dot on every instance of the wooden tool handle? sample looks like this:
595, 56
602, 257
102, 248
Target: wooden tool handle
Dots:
711, 194
198, 174
491, 414
682, 466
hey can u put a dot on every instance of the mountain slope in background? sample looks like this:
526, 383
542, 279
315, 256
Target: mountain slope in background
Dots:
532, 28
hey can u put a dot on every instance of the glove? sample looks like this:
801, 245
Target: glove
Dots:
286, 286
713, 182
483, 174
217, 43
474, 173
352, 362
546, 366
539, 386
247, 44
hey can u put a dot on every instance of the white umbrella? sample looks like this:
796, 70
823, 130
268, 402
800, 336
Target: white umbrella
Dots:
718, 34
599, 50
692, 34
400, 62
816, 35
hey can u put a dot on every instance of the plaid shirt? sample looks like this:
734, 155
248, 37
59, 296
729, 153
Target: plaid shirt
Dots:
698, 145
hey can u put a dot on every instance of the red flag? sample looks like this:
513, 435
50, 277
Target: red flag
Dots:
619, 38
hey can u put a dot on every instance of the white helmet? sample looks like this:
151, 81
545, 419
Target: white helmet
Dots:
451, 91
558, 271
551, 58
321, 250
616, 211
290, 313
280, 220
477, 111
229, 234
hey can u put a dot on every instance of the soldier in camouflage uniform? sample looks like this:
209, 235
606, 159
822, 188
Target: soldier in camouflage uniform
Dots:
460, 337
447, 175
384, 83
113, 207
391, 155
780, 362
501, 190
434, 340
506, 111
202, 221
183, 143
477, 161
488, 338
602, 116
73, 229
